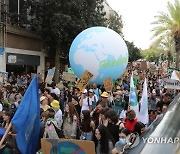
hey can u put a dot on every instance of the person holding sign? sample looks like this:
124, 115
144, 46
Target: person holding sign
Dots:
85, 102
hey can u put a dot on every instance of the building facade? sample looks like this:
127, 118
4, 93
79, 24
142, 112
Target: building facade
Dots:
21, 50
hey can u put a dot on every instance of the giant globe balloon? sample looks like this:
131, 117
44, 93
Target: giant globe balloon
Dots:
101, 51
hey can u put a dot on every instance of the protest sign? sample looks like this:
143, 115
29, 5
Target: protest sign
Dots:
108, 85
171, 84
50, 75
144, 65
84, 80
175, 75
69, 77
60, 85
3, 77
67, 146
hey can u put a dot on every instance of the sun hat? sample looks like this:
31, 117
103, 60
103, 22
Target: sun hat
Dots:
55, 104
84, 91
104, 94
90, 90
42, 98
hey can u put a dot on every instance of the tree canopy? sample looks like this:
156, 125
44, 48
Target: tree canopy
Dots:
167, 28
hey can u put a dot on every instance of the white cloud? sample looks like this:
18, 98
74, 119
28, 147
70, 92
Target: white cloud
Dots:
137, 17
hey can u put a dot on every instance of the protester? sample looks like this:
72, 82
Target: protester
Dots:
71, 121
44, 103
97, 91
85, 101
50, 130
103, 143
114, 124
87, 126
130, 120
58, 113
123, 136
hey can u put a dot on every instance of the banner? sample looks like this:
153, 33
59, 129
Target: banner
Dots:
84, 80
67, 146
171, 84
69, 77
3, 76
108, 85
50, 75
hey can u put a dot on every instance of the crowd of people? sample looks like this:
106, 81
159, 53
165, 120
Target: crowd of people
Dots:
93, 114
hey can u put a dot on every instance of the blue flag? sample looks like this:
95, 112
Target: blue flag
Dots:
27, 120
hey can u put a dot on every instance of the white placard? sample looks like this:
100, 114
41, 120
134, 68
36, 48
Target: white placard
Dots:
171, 84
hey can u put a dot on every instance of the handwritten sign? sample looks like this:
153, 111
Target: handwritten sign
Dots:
69, 77
108, 85
84, 80
67, 146
50, 75
171, 84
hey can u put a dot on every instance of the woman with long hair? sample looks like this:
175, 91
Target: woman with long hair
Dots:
87, 126
101, 138
71, 120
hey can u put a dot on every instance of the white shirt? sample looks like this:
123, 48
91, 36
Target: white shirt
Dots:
85, 105
94, 98
58, 118
56, 91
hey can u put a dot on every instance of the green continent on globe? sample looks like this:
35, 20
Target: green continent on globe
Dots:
112, 63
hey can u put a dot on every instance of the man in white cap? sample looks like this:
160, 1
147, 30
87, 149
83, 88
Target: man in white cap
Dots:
85, 102
93, 97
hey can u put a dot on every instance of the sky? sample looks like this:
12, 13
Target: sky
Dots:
137, 16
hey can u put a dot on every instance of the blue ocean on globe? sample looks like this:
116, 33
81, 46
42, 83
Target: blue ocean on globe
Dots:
101, 51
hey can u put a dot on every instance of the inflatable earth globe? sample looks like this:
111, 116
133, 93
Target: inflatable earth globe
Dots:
101, 51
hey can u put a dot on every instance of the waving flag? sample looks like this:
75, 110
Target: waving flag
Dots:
27, 120
133, 98
143, 115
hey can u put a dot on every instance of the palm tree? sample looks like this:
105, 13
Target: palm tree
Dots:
168, 28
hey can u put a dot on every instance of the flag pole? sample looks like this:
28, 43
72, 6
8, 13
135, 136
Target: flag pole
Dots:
5, 134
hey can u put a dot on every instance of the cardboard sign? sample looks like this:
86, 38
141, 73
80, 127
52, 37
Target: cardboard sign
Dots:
171, 84
60, 85
3, 77
84, 80
144, 65
67, 146
50, 75
40, 79
69, 77
108, 85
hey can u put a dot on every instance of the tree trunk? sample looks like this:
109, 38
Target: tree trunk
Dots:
57, 64
177, 47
